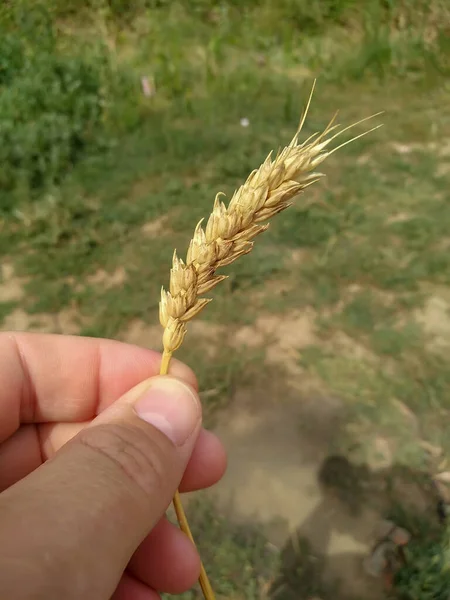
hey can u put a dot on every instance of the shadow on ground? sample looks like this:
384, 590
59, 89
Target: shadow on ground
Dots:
322, 514
309, 571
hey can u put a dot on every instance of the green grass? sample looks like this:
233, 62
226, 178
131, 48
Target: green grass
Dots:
243, 560
426, 574
372, 238
6, 308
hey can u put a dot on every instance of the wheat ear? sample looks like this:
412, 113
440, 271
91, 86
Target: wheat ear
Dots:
228, 235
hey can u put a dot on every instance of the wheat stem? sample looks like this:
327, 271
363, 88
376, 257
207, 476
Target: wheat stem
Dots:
229, 233
164, 369
207, 590
205, 585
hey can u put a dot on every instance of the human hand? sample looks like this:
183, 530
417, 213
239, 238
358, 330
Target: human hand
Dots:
85, 480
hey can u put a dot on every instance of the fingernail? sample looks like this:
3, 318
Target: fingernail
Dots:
172, 407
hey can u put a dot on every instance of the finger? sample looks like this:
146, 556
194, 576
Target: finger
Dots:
130, 588
30, 446
48, 378
207, 465
19, 456
79, 517
166, 560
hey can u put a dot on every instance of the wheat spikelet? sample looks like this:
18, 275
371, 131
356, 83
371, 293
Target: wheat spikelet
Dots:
230, 230
229, 234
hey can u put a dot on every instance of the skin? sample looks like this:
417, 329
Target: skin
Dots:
65, 501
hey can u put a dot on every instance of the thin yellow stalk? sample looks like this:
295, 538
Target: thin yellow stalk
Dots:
205, 585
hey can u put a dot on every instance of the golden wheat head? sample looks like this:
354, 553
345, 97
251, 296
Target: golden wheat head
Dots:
230, 229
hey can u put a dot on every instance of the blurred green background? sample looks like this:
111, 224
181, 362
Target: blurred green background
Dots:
119, 122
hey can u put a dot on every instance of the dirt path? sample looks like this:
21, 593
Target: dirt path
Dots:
278, 443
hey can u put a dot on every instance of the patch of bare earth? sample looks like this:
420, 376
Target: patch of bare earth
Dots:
67, 321
343, 344
156, 227
435, 320
299, 256
272, 288
11, 286
278, 440
150, 335
441, 148
142, 334
400, 217
108, 280
282, 336
278, 435
101, 278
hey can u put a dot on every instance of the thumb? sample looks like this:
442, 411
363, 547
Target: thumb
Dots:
74, 523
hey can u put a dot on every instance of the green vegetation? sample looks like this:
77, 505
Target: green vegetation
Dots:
244, 560
95, 177
55, 103
426, 573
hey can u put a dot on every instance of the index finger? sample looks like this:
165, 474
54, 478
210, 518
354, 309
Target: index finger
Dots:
52, 378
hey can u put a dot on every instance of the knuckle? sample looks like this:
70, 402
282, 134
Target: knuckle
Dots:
130, 451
